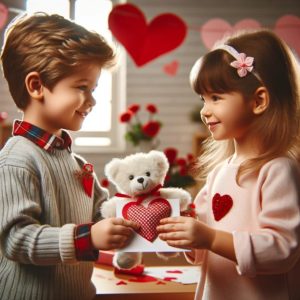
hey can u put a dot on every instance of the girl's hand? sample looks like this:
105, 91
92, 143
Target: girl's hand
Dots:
112, 233
186, 232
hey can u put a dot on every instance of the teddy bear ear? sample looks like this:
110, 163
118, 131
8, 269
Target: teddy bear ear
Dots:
160, 159
111, 169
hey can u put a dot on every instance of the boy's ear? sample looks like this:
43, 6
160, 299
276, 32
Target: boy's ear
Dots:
261, 100
34, 85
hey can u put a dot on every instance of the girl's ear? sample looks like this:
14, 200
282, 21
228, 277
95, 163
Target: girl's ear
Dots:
34, 85
261, 100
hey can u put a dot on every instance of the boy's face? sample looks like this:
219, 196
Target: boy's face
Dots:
69, 102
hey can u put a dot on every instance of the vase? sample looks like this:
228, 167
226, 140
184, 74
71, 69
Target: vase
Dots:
146, 146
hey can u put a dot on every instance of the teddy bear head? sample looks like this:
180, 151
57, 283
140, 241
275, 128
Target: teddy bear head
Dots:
138, 173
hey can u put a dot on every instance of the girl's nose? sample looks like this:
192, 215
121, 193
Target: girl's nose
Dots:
205, 111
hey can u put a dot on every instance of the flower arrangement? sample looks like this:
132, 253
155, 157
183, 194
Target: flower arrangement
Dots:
179, 171
138, 131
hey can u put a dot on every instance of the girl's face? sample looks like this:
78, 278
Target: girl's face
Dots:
227, 115
70, 101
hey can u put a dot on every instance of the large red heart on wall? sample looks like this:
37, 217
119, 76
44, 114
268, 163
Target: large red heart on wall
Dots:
145, 42
147, 217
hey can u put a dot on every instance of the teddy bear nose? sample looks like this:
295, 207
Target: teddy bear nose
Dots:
140, 180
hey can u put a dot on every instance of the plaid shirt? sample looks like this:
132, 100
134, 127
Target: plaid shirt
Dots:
42, 138
82, 235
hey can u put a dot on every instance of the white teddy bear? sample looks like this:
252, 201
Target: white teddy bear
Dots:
135, 176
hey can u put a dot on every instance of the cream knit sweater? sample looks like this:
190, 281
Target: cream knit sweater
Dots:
41, 200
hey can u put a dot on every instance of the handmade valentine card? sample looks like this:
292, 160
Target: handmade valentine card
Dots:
148, 213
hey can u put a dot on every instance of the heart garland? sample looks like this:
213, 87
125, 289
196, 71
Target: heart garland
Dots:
145, 42
147, 217
221, 205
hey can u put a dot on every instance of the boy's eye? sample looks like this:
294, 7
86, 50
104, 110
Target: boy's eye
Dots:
148, 174
82, 88
131, 177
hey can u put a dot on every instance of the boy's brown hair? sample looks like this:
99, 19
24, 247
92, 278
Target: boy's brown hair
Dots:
52, 46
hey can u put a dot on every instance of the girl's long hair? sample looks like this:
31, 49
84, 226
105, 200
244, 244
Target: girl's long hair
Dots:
278, 128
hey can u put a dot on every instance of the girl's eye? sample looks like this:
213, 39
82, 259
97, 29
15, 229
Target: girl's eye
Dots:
202, 98
148, 174
131, 177
215, 97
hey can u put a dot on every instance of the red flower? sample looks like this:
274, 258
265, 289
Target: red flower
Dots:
171, 154
151, 128
151, 108
182, 170
104, 183
190, 158
134, 108
181, 162
125, 117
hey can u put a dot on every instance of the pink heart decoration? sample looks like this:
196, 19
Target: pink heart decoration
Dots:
145, 42
288, 28
171, 68
147, 217
3, 15
215, 29
221, 205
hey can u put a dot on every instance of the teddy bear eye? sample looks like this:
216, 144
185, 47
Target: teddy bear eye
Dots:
148, 174
131, 177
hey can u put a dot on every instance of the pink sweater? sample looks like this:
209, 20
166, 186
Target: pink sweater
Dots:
265, 223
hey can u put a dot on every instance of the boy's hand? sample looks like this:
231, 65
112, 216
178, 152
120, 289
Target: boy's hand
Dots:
186, 232
112, 233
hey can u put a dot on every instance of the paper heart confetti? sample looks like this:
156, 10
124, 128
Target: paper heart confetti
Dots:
145, 42
221, 205
147, 217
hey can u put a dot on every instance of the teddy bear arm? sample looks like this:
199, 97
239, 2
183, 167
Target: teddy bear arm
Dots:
108, 208
177, 193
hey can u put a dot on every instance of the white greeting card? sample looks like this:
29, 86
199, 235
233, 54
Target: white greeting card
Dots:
150, 242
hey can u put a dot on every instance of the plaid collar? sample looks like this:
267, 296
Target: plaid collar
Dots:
40, 137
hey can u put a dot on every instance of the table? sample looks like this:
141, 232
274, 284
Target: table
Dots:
111, 286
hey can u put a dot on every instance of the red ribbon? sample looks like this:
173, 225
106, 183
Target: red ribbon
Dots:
141, 198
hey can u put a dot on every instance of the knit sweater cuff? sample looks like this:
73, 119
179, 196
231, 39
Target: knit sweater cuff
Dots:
66, 244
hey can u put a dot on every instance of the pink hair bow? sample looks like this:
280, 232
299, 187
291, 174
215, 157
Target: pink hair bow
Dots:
243, 64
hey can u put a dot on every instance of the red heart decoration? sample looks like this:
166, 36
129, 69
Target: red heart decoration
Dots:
171, 68
147, 217
3, 15
145, 42
221, 205
216, 28
288, 28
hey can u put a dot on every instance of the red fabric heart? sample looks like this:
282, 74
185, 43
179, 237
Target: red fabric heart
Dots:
221, 205
145, 42
147, 217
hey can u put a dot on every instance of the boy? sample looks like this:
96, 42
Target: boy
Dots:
48, 195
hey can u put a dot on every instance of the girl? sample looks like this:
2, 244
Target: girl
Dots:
247, 234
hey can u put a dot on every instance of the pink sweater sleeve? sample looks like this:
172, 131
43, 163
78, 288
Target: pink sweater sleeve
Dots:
274, 247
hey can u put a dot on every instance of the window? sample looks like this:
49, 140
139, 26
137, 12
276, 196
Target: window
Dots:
101, 131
